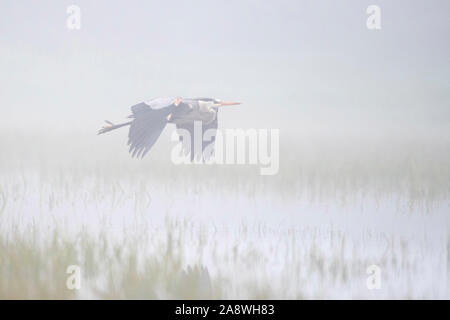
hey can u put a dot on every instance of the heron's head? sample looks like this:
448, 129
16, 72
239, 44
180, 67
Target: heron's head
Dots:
210, 102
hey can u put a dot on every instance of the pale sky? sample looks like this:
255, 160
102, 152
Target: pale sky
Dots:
293, 64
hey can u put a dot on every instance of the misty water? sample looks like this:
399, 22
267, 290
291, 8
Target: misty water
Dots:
364, 151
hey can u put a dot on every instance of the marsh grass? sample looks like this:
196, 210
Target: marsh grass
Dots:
149, 229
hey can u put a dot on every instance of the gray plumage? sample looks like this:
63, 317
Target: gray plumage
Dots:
151, 117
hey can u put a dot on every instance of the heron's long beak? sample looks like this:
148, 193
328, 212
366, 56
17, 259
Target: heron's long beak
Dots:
228, 103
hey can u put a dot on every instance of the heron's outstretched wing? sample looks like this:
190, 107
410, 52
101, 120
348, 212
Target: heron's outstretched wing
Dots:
189, 146
153, 104
147, 126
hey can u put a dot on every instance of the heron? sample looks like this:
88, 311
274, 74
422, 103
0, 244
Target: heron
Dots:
151, 117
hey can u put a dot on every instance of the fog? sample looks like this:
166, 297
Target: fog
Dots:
294, 64
364, 120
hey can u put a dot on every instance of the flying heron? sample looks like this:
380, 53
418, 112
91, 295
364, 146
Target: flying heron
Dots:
151, 117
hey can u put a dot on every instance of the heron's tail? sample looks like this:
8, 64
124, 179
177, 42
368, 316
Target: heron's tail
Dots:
111, 126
